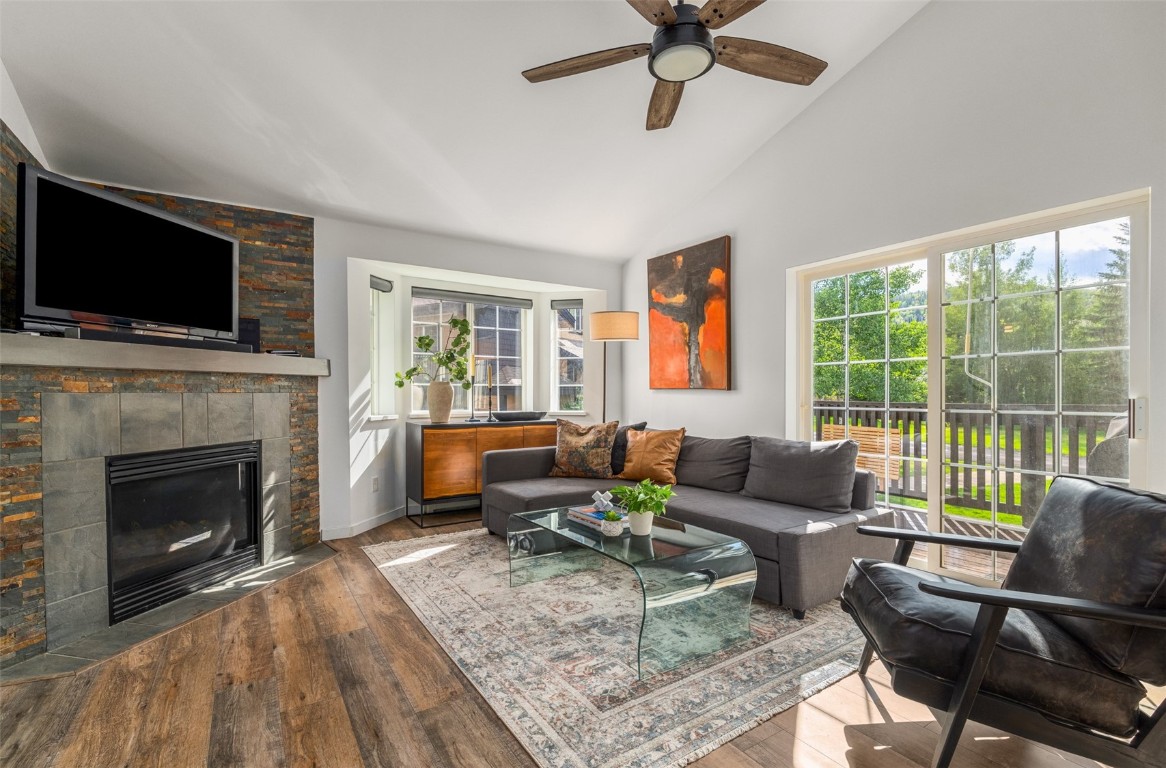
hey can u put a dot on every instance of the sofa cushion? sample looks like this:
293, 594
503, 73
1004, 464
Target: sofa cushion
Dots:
754, 521
583, 450
719, 464
542, 493
652, 455
1095, 541
819, 475
619, 449
1036, 663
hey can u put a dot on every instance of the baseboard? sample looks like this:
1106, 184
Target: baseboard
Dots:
328, 534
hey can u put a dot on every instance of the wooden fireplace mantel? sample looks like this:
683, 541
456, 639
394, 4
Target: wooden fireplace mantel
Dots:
54, 352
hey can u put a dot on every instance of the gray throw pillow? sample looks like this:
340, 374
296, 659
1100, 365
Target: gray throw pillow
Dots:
818, 475
619, 449
719, 464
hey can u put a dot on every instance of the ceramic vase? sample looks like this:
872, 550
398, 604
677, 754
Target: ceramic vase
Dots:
641, 523
440, 401
611, 527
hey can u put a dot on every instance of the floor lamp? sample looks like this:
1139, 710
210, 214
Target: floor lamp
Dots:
613, 326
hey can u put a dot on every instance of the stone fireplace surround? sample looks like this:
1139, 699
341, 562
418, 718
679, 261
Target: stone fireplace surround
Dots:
65, 405
81, 430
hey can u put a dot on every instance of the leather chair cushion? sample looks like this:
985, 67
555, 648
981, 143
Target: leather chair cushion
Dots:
1096, 541
1036, 663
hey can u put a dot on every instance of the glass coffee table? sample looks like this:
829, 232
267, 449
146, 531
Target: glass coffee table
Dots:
697, 584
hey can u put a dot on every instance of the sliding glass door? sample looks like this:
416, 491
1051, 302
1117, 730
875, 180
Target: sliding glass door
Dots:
972, 370
1036, 364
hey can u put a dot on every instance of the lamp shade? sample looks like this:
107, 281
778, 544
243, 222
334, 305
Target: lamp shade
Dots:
615, 326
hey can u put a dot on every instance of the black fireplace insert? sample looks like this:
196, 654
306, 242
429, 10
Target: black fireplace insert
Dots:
179, 521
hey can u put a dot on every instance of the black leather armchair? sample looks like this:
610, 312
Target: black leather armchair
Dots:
1060, 653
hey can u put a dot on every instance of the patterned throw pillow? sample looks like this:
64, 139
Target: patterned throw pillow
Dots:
652, 455
583, 450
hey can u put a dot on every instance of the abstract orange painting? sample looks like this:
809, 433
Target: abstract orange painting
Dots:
688, 318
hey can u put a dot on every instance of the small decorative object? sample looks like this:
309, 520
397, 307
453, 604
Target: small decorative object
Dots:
688, 318
643, 501
613, 523
603, 501
442, 369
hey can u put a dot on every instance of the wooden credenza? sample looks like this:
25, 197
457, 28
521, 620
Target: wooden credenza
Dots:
443, 462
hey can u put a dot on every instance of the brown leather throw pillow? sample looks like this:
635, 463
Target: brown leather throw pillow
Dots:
652, 455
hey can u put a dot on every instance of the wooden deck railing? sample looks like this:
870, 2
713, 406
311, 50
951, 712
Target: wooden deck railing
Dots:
1023, 444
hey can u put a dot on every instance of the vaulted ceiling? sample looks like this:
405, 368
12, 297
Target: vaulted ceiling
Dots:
411, 114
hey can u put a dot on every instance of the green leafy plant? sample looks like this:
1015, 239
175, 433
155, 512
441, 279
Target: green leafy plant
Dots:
451, 360
644, 496
613, 514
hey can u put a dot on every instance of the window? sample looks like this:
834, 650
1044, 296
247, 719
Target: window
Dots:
567, 341
974, 368
498, 324
1036, 363
383, 394
870, 374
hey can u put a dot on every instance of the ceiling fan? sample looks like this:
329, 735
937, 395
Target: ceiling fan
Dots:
682, 49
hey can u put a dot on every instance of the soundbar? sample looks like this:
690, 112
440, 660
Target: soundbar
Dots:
192, 342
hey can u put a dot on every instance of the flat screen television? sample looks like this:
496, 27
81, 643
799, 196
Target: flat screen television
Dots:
91, 258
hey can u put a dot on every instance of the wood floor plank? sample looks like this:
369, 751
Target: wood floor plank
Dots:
727, 756
387, 730
35, 718
107, 725
781, 749
246, 728
337, 613
178, 708
426, 673
246, 652
466, 733
319, 735
301, 667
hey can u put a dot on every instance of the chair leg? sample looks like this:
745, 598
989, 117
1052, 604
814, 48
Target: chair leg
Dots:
865, 659
980, 646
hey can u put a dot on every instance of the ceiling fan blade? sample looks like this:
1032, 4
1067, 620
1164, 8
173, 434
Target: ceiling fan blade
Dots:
586, 62
767, 60
662, 107
715, 14
657, 12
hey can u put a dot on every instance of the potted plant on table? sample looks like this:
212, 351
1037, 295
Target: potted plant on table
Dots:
612, 523
643, 501
443, 369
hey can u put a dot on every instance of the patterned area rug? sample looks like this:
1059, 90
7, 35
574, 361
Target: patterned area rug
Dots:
556, 659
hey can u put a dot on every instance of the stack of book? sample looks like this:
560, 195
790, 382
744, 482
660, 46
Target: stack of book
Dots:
591, 517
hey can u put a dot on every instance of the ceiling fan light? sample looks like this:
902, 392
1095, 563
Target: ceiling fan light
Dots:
681, 62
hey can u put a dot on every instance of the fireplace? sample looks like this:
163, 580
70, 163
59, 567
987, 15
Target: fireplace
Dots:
179, 521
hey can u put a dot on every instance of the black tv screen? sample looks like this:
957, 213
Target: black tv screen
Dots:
90, 257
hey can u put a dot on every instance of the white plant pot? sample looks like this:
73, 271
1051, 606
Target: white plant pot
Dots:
641, 523
611, 527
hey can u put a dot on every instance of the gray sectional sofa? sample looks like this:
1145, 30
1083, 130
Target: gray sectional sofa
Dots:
797, 505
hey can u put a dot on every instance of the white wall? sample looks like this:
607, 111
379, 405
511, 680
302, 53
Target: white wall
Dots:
972, 112
353, 448
13, 114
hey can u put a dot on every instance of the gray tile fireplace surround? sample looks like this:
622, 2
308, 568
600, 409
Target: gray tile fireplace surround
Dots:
80, 430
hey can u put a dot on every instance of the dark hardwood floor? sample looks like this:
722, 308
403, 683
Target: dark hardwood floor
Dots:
330, 668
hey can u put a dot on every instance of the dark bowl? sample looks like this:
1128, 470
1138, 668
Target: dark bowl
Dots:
518, 415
